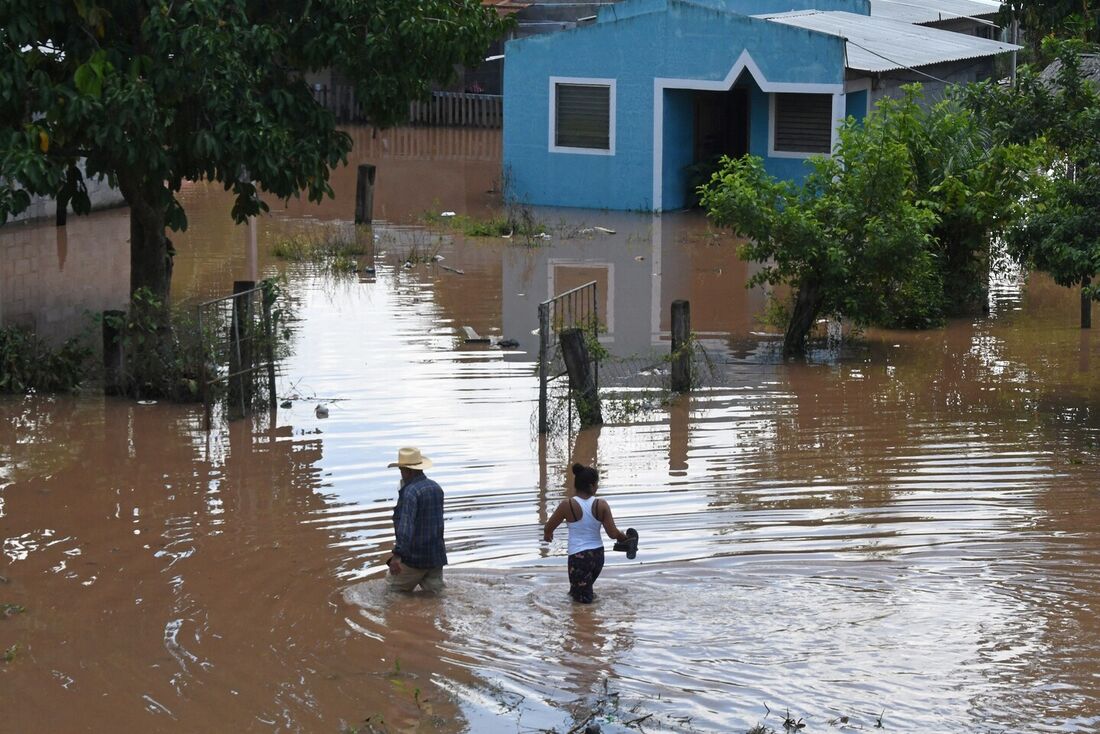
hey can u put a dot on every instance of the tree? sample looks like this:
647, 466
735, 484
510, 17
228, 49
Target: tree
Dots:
894, 229
846, 239
1059, 18
152, 93
1059, 232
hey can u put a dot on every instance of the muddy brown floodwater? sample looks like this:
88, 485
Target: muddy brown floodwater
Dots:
905, 530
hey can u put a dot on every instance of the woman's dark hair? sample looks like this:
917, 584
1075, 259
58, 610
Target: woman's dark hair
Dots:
584, 477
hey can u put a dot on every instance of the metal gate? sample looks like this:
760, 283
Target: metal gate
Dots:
574, 309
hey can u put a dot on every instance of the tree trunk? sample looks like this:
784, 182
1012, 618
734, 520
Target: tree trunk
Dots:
806, 307
150, 249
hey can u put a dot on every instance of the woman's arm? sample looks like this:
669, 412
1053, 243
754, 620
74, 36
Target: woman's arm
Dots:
603, 514
552, 524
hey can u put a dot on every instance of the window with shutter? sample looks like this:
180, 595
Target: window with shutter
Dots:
803, 123
583, 116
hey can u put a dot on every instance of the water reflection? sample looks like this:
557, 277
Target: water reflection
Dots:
807, 529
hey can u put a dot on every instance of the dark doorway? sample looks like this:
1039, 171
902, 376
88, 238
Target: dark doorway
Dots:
721, 128
721, 124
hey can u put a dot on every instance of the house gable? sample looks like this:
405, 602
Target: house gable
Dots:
650, 56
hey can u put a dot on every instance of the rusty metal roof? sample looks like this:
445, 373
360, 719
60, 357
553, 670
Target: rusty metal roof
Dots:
506, 7
879, 44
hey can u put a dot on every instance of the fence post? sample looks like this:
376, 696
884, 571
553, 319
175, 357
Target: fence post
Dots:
581, 381
204, 378
269, 348
364, 194
681, 346
544, 348
240, 347
112, 352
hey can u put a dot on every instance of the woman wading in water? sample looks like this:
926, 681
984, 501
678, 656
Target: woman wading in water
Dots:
585, 515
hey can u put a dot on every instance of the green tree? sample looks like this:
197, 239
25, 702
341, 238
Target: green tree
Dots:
846, 239
1059, 18
152, 93
1059, 232
973, 184
893, 229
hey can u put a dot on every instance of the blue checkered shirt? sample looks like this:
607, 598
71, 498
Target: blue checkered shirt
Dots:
418, 524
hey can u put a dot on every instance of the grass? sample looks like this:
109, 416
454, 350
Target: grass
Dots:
518, 222
322, 245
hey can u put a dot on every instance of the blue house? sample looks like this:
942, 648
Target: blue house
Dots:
615, 114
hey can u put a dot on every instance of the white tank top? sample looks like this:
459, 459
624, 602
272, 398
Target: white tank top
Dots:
584, 534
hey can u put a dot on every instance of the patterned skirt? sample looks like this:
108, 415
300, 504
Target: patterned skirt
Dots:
584, 569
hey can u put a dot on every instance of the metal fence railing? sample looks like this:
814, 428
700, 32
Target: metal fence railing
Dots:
446, 109
574, 309
238, 343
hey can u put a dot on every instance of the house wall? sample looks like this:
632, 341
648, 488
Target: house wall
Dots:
889, 84
650, 57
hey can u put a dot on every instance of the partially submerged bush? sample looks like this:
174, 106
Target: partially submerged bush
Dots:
319, 245
28, 364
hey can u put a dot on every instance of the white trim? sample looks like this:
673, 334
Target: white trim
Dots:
840, 113
744, 61
552, 126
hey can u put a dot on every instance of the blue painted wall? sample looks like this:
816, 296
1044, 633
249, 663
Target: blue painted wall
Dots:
679, 139
855, 105
683, 41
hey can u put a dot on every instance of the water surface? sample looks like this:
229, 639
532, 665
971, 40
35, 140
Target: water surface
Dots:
902, 530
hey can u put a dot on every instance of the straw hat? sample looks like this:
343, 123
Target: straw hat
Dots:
411, 458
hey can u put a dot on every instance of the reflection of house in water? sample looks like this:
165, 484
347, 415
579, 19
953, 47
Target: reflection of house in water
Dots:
640, 270
52, 277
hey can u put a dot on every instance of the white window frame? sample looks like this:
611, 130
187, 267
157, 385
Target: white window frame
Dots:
584, 81
838, 115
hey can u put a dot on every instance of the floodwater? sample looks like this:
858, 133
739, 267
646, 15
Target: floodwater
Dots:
903, 531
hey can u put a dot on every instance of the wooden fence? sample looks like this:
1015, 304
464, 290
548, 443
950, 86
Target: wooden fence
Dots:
444, 109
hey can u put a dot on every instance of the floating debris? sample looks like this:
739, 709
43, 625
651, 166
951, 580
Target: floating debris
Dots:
472, 337
285, 404
604, 230
321, 411
507, 343
446, 214
453, 270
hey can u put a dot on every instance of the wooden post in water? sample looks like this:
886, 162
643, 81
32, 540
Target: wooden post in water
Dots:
364, 194
112, 352
581, 379
544, 349
240, 349
269, 352
681, 346
1086, 304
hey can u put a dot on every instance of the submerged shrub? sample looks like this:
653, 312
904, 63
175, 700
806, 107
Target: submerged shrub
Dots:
28, 364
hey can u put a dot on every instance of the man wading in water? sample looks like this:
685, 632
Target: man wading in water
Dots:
418, 551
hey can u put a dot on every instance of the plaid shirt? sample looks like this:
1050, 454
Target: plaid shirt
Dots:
418, 524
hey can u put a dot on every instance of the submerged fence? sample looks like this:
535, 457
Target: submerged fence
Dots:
238, 338
444, 109
574, 309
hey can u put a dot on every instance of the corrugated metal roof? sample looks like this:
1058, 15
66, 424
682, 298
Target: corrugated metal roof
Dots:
879, 44
933, 11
